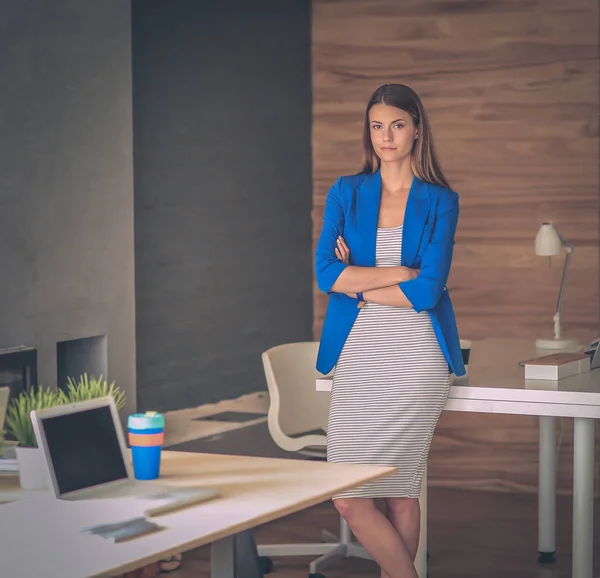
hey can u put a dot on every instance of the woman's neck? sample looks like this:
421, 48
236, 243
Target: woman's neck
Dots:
396, 176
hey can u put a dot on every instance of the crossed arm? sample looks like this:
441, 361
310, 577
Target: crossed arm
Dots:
377, 284
395, 286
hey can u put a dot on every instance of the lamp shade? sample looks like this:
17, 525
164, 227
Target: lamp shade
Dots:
547, 241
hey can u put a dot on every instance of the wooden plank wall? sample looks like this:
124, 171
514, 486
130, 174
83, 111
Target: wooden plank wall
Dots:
511, 89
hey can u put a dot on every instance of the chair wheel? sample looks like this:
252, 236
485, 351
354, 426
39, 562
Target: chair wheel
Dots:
266, 564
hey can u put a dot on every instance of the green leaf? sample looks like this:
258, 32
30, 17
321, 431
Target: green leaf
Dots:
18, 420
92, 388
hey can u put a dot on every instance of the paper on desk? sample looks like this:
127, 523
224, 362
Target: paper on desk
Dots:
80, 514
124, 530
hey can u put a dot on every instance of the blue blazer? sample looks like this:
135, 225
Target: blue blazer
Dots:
352, 211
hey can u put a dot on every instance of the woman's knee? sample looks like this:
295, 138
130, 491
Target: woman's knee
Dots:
350, 508
402, 506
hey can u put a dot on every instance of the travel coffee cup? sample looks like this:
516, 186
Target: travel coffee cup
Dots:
146, 437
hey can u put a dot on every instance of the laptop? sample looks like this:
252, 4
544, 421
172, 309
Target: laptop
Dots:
87, 458
594, 352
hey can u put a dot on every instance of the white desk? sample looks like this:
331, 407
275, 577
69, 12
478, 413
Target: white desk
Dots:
41, 535
495, 384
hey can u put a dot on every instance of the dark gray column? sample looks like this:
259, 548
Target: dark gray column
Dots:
222, 124
66, 181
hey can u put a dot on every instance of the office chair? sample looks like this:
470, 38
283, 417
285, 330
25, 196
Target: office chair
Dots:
297, 421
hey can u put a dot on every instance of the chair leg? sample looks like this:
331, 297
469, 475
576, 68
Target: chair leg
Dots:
327, 536
325, 560
332, 548
345, 532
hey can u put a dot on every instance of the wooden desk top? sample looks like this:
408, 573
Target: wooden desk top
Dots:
41, 535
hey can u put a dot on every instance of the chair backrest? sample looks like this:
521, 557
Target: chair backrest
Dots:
295, 404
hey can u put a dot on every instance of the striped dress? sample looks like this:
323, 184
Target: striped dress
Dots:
390, 385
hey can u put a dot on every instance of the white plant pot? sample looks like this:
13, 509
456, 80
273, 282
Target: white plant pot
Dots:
33, 474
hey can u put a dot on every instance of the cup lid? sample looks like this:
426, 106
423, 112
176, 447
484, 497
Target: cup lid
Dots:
148, 420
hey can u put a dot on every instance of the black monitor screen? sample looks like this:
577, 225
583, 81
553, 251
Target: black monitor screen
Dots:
84, 449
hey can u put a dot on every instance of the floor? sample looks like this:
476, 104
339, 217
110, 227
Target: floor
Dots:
471, 534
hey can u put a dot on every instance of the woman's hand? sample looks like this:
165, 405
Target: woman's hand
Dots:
342, 252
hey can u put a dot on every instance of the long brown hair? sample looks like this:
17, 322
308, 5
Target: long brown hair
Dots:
423, 158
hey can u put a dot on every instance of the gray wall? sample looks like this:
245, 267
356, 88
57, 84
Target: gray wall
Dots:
222, 157
66, 180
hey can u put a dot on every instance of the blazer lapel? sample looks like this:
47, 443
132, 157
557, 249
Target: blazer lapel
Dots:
368, 201
415, 218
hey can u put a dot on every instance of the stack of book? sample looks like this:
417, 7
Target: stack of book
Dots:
556, 366
8, 466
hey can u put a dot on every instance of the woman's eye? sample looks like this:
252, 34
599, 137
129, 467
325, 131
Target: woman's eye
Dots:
399, 126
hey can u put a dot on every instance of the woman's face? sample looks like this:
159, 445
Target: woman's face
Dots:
393, 132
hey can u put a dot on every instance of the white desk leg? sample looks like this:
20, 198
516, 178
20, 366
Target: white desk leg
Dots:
547, 489
421, 557
583, 498
222, 558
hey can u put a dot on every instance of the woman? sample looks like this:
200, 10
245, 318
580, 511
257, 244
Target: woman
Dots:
383, 257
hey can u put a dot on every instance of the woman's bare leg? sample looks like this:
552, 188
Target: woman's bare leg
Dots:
378, 536
405, 515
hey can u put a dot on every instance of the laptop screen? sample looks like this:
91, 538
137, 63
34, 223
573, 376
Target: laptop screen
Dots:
84, 449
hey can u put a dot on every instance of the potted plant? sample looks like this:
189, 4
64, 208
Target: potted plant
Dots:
32, 469
32, 473
92, 388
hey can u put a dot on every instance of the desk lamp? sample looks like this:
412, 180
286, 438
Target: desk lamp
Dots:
548, 243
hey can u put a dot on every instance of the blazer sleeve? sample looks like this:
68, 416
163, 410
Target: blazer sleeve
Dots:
327, 266
425, 290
